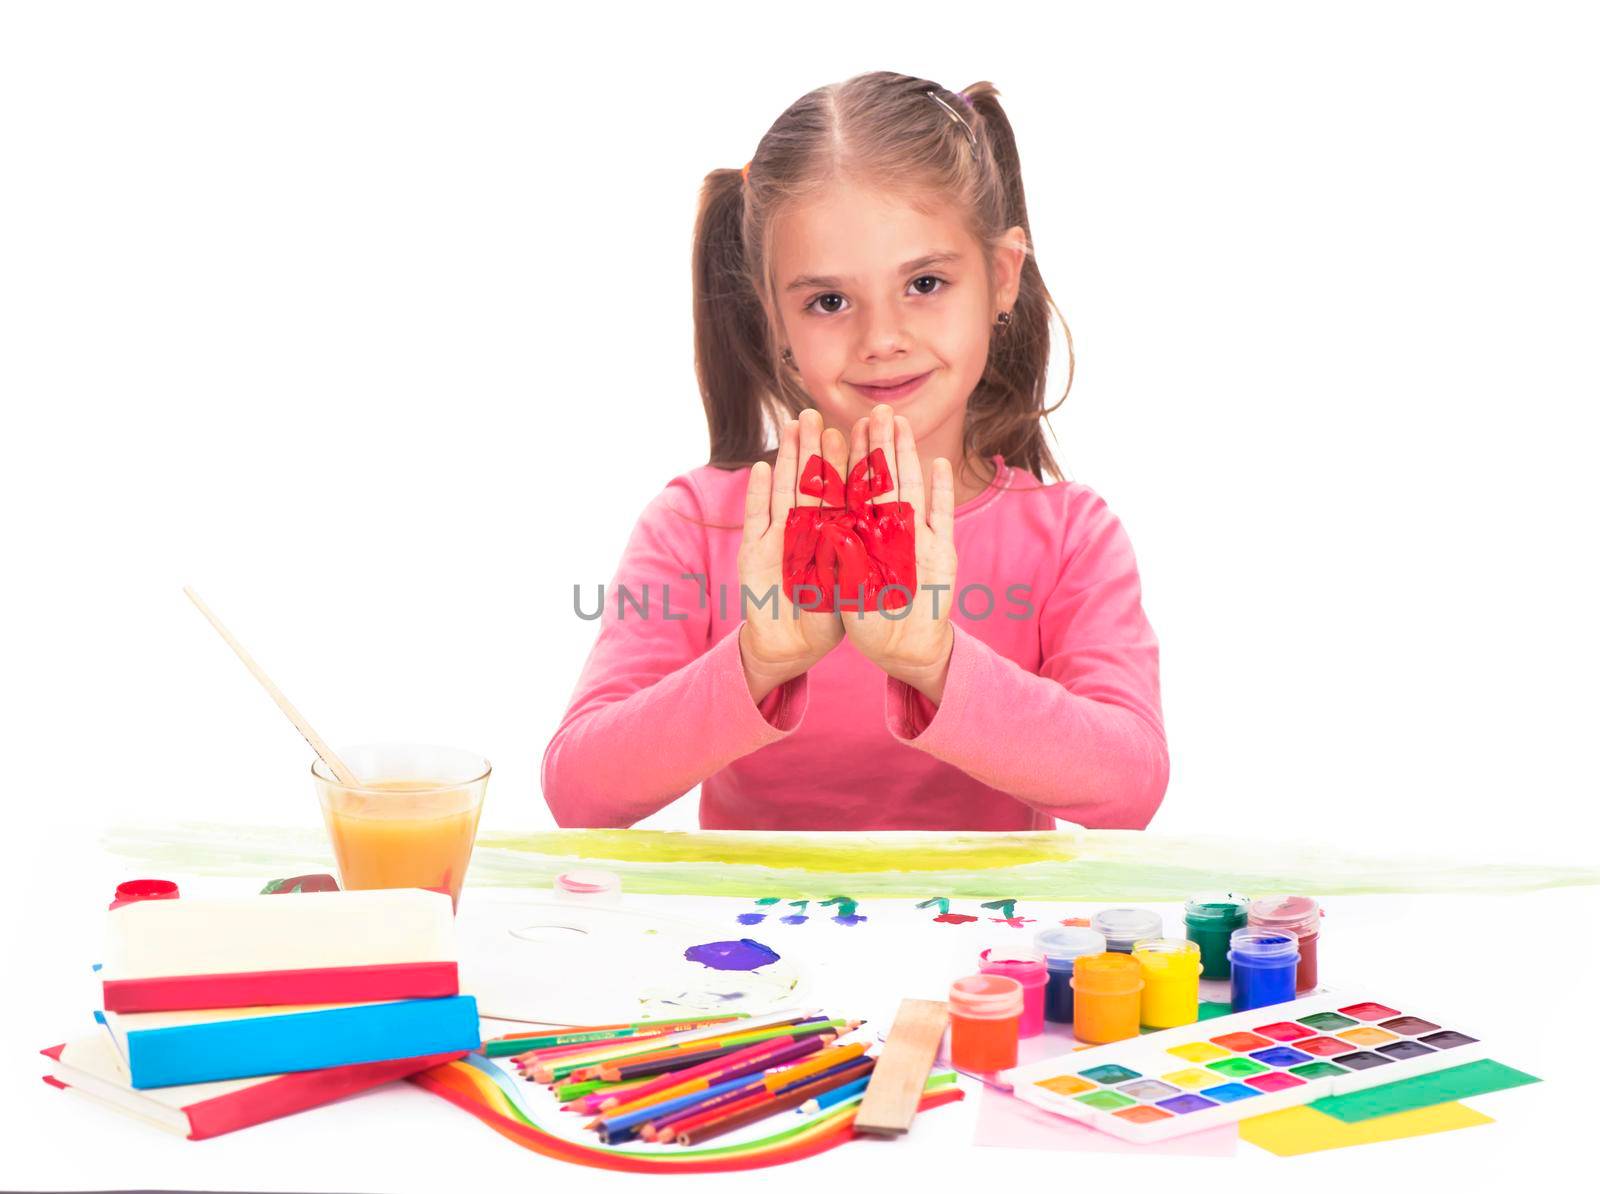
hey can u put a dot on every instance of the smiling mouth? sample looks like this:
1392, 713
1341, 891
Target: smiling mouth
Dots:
887, 393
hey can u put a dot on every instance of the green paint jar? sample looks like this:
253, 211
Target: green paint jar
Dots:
1209, 921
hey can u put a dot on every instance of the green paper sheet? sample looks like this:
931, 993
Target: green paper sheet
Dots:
1425, 1090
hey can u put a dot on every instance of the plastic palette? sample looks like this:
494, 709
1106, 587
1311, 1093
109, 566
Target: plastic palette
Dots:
1182, 1080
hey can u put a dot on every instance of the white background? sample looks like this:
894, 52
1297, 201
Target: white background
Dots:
372, 323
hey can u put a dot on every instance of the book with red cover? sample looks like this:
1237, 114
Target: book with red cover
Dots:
250, 951
91, 1066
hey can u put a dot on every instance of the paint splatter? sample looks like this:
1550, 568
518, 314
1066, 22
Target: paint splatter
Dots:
846, 911
1077, 922
743, 954
946, 917
751, 918
797, 918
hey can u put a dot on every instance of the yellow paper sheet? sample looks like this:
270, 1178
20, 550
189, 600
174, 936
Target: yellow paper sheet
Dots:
1296, 1130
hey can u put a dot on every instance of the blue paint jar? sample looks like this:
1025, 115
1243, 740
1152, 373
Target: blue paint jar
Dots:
1264, 965
1062, 945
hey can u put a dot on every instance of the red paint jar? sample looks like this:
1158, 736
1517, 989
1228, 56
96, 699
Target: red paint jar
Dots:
1297, 915
135, 890
985, 1010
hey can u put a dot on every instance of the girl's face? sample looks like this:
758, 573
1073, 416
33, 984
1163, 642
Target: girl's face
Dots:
871, 290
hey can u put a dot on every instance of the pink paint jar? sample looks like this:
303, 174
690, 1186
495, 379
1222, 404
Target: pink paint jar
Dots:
985, 1010
1298, 916
1029, 969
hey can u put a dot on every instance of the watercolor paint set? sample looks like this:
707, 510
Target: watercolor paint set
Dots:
1180, 1080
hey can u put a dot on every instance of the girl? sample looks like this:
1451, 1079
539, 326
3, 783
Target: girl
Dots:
866, 282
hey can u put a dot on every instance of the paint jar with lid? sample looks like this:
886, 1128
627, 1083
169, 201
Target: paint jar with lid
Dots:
1300, 916
1105, 996
1121, 927
985, 1010
135, 890
1209, 921
1264, 965
1171, 970
1061, 945
1027, 968
589, 887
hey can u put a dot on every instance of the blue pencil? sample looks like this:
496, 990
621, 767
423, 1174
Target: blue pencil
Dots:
830, 1098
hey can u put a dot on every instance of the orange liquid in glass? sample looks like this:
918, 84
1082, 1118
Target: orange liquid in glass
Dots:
389, 840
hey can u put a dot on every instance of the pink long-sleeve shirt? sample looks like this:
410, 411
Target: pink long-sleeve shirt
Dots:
1051, 708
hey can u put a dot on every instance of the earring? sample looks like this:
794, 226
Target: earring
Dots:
1003, 321
788, 358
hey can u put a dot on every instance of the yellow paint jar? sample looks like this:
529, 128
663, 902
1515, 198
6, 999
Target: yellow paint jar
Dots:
1170, 967
1105, 996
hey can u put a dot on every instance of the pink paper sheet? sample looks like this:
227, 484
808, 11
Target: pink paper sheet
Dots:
1007, 1122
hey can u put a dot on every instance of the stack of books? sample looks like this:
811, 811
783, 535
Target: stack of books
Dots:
220, 1013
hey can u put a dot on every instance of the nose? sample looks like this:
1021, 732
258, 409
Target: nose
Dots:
883, 335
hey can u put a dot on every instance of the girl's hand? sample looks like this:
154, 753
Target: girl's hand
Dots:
912, 643
778, 643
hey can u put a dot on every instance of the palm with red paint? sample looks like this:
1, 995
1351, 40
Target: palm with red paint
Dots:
778, 645
911, 644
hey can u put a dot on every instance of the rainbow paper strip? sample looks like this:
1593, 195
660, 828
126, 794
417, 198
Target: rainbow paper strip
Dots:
481, 1087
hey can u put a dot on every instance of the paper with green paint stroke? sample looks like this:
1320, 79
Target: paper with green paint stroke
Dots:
1065, 865
1423, 1090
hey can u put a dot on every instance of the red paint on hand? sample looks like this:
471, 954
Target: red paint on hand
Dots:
849, 542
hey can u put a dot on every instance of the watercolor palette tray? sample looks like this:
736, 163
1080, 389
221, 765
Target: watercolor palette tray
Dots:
1181, 1080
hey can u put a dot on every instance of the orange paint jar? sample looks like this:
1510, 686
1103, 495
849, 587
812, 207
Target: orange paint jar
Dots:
985, 1014
1105, 996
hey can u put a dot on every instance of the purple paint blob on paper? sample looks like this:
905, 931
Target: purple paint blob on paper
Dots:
743, 954
752, 918
848, 920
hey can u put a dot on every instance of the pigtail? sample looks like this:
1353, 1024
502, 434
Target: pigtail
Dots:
731, 358
1006, 413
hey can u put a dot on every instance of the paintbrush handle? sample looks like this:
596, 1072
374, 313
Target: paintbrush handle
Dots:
313, 739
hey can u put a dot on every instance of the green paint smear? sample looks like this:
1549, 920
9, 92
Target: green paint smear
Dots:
1424, 1090
1072, 865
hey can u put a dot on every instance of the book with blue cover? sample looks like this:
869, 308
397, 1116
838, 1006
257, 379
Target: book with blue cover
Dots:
175, 1048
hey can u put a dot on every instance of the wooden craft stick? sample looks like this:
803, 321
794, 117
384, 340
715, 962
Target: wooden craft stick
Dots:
313, 739
902, 1070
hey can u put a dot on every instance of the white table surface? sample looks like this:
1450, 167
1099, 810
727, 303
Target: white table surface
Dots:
1521, 970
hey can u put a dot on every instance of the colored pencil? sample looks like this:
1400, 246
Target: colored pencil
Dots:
774, 1082
617, 1046
624, 1045
666, 1064
576, 1090
750, 1060
801, 1053
602, 1032
527, 1055
835, 1096
776, 1103
610, 1069
577, 1063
